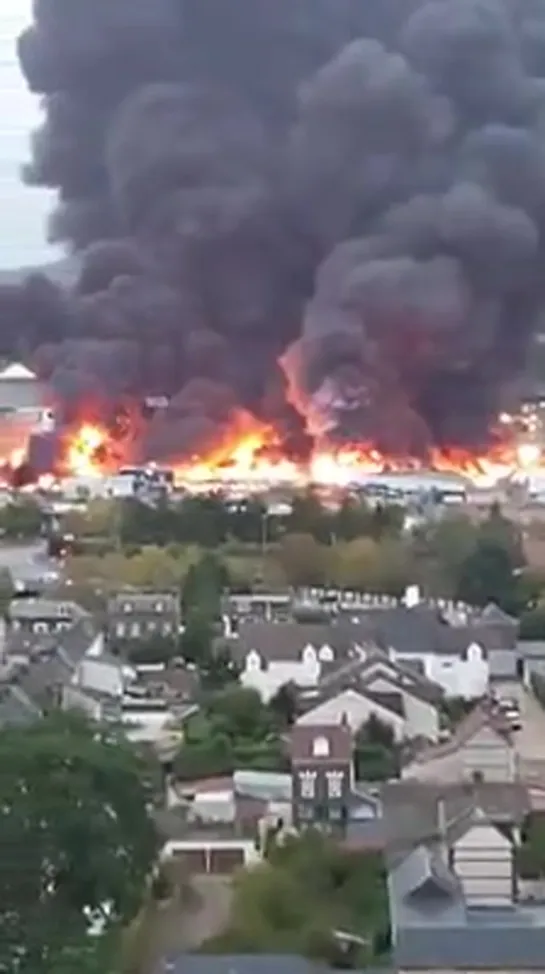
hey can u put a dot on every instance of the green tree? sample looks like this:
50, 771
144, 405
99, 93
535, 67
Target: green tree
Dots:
7, 590
309, 517
303, 560
283, 705
204, 584
309, 888
352, 520
488, 574
197, 638
376, 755
441, 548
76, 844
21, 519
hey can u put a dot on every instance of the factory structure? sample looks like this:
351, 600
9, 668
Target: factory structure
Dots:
25, 411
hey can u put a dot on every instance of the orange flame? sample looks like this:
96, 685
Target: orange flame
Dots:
250, 454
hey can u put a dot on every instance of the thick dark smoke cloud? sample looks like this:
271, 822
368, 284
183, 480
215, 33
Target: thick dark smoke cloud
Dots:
364, 178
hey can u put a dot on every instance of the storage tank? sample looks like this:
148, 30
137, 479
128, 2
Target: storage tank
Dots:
24, 412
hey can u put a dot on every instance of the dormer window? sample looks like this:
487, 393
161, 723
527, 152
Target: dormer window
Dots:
159, 606
253, 660
326, 654
320, 747
309, 654
127, 607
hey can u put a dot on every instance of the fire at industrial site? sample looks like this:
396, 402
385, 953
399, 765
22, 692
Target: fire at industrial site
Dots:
310, 233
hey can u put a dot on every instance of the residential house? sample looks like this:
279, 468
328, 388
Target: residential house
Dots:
450, 655
356, 707
498, 633
322, 773
152, 712
417, 811
42, 665
374, 685
41, 616
142, 615
272, 654
481, 748
456, 904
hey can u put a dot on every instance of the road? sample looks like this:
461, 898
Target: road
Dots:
530, 740
26, 562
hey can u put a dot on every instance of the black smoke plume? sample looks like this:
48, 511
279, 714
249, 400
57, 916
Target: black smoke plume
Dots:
363, 179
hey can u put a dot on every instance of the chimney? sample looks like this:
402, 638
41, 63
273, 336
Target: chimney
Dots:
412, 596
441, 818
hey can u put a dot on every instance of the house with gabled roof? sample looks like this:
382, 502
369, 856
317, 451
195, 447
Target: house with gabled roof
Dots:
456, 903
481, 748
374, 685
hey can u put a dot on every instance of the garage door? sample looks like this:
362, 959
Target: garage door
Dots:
226, 860
194, 860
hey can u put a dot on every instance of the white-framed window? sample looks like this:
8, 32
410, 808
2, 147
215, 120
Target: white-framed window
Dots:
120, 629
135, 630
127, 607
307, 784
167, 628
320, 747
335, 784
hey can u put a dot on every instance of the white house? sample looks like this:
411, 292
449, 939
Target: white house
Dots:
356, 709
464, 673
273, 654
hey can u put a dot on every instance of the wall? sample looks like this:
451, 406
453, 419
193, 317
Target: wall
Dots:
357, 710
421, 717
483, 862
503, 664
100, 677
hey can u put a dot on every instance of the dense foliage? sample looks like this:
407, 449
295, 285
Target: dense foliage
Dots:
309, 888
76, 844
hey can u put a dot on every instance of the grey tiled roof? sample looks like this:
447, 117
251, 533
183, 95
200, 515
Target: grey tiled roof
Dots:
287, 640
38, 608
475, 945
241, 964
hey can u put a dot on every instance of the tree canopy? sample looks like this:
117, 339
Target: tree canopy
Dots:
309, 888
76, 843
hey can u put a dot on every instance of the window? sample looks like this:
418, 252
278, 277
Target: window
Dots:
120, 629
307, 784
320, 747
159, 606
335, 784
135, 630
127, 607
167, 628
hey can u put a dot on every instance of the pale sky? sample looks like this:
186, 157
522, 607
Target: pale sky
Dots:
23, 211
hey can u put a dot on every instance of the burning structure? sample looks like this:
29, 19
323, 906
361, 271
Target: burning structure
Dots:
326, 215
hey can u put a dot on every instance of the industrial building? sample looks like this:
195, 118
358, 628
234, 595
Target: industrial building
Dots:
25, 412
